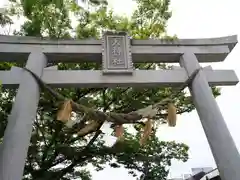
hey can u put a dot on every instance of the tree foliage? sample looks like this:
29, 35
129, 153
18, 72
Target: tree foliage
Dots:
57, 153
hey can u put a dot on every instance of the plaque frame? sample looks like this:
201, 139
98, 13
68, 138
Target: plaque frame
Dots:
126, 49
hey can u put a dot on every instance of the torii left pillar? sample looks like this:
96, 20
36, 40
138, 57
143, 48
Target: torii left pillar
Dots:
19, 128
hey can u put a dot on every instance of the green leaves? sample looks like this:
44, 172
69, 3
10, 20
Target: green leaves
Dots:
51, 145
4, 19
152, 159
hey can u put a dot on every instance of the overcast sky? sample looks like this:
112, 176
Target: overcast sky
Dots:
196, 19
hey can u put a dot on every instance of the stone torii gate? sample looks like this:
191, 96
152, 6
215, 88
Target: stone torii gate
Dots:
117, 70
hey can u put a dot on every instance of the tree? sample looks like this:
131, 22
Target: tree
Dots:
56, 152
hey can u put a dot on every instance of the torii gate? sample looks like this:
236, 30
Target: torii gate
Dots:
117, 71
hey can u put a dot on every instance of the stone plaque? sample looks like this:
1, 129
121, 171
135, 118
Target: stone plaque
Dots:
116, 53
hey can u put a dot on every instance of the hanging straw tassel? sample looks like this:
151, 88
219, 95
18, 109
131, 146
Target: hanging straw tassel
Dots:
172, 115
64, 114
146, 132
119, 132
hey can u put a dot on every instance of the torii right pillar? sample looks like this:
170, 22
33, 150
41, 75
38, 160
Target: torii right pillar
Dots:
219, 138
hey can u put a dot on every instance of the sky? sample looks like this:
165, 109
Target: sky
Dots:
195, 19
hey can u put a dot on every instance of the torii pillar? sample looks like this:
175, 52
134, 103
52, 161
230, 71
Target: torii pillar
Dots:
219, 138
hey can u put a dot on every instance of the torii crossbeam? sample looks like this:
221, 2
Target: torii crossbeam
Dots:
117, 52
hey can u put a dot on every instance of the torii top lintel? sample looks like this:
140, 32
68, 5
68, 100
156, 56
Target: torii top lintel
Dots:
17, 48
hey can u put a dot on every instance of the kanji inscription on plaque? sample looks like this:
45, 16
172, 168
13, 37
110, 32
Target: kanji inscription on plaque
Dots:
116, 53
